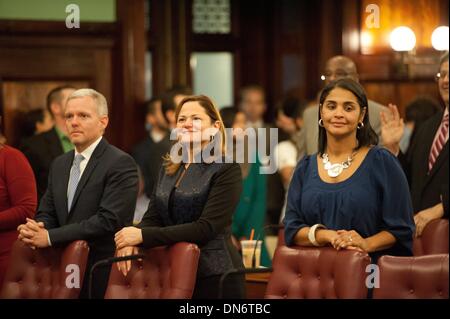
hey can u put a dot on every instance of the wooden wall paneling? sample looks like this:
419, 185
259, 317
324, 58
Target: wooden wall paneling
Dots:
38, 54
131, 94
331, 30
256, 45
377, 69
217, 43
19, 97
422, 16
181, 26
400, 93
161, 44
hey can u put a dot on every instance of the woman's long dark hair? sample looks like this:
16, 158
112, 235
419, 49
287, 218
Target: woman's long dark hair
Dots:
366, 136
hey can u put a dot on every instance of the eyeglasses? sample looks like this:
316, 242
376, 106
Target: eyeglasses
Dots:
339, 74
441, 75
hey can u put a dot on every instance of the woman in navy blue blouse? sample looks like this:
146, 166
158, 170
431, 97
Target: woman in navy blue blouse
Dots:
352, 194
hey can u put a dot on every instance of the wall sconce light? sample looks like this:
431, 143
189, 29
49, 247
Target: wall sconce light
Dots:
439, 38
406, 64
403, 41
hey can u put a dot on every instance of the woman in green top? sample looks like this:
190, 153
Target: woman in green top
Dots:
251, 210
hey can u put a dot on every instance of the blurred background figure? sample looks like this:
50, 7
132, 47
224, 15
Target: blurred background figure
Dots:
290, 120
288, 152
416, 113
253, 105
17, 199
149, 153
170, 99
251, 210
252, 102
35, 122
43, 148
142, 201
337, 67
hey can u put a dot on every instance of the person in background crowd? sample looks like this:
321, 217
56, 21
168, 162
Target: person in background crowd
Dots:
42, 149
417, 112
149, 153
34, 122
252, 102
142, 201
287, 153
337, 67
170, 100
251, 210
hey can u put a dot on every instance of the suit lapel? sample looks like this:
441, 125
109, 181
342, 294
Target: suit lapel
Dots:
93, 161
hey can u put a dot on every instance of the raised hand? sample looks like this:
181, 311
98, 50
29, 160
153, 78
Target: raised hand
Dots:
392, 128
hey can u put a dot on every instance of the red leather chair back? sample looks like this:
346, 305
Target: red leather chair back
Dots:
281, 241
413, 277
50, 273
167, 272
434, 239
317, 272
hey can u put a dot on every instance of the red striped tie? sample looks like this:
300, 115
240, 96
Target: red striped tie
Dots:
439, 143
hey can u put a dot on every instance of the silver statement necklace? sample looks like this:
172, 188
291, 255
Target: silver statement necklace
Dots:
334, 170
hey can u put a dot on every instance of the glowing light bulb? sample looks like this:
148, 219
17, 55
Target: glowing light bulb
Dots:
439, 38
402, 39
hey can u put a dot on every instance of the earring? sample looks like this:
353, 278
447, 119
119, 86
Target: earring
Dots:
321, 122
360, 125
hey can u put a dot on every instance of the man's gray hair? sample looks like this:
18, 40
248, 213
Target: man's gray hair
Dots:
99, 99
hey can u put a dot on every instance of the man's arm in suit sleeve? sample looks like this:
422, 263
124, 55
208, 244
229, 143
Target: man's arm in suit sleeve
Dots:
216, 215
46, 212
116, 207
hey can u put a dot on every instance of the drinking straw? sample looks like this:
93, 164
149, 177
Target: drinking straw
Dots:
252, 234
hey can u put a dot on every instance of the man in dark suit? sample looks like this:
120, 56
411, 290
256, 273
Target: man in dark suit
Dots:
91, 192
149, 153
42, 149
426, 161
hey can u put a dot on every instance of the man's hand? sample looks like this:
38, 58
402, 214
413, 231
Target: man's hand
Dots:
33, 234
128, 236
392, 127
422, 218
